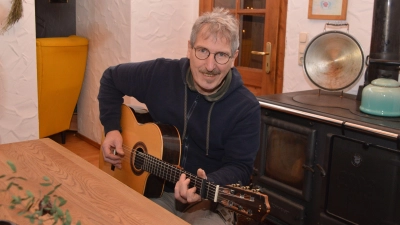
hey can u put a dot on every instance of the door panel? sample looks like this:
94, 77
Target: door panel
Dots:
251, 39
261, 22
228, 4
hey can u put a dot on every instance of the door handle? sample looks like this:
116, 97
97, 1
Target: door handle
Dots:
259, 53
267, 55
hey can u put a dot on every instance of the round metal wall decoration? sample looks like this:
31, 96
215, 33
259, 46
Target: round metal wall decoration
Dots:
333, 60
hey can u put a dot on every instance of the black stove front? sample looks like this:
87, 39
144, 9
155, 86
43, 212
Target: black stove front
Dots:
324, 162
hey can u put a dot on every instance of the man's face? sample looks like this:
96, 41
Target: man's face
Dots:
208, 74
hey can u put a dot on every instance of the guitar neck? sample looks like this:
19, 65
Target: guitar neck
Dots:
171, 173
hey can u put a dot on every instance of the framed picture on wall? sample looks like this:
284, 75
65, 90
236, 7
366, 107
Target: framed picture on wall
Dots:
327, 9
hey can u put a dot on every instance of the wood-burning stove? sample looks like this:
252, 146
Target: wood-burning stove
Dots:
322, 161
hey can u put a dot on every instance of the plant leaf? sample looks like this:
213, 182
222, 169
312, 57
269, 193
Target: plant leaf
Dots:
59, 212
31, 218
20, 178
45, 184
10, 185
54, 189
57, 186
55, 218
39, 212
45, 178
68, 218
12, 166
29, 194
62, 201
15, 199
29, 204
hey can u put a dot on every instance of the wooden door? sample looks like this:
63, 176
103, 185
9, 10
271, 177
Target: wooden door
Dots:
262, 41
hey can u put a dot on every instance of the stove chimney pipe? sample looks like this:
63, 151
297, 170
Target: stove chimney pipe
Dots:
385, 41
384, 57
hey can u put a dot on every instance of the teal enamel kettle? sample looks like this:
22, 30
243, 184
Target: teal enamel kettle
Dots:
381, 98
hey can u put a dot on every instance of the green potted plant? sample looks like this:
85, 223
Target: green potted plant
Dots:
36, 209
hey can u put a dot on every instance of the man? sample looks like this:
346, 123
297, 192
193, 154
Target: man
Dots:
204, 98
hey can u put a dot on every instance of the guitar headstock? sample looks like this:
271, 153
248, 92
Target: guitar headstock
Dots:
244, 200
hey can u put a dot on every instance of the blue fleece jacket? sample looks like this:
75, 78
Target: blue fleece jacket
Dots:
234, 132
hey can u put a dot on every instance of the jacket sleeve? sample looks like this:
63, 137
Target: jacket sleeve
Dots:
118, 81
241, 149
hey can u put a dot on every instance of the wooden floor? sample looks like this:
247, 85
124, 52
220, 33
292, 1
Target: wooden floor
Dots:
76, 144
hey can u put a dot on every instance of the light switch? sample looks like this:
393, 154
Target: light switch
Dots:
303, 37
302, 47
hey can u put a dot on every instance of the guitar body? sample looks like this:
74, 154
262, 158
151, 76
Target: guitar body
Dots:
140, 134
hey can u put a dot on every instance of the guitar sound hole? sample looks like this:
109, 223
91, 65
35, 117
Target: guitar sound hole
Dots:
139, 161
137, 158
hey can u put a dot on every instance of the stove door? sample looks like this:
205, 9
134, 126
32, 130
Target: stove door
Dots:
286, 156
364, 183
283, 168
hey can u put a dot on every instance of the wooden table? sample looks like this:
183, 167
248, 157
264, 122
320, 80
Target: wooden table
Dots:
93, 196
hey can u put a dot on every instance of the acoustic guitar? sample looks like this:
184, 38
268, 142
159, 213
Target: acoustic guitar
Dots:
152, 156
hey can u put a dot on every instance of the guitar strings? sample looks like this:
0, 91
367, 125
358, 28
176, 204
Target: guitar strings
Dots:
162, 169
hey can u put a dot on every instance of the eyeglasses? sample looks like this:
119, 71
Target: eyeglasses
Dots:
219, 57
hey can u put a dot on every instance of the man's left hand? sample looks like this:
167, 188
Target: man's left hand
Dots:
185, 194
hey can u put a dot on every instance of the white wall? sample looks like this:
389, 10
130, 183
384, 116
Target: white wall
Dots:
359, 17
161, 28
107, 25
132, 30
18, 86
125, 31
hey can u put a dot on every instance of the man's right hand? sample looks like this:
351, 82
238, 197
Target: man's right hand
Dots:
113, 141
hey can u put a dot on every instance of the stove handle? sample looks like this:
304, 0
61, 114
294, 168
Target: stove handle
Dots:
306, 167
323, 173
309, 168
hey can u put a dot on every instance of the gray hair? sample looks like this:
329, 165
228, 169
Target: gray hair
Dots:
218, 22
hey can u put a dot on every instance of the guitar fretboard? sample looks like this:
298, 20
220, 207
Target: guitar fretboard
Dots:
171, 173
